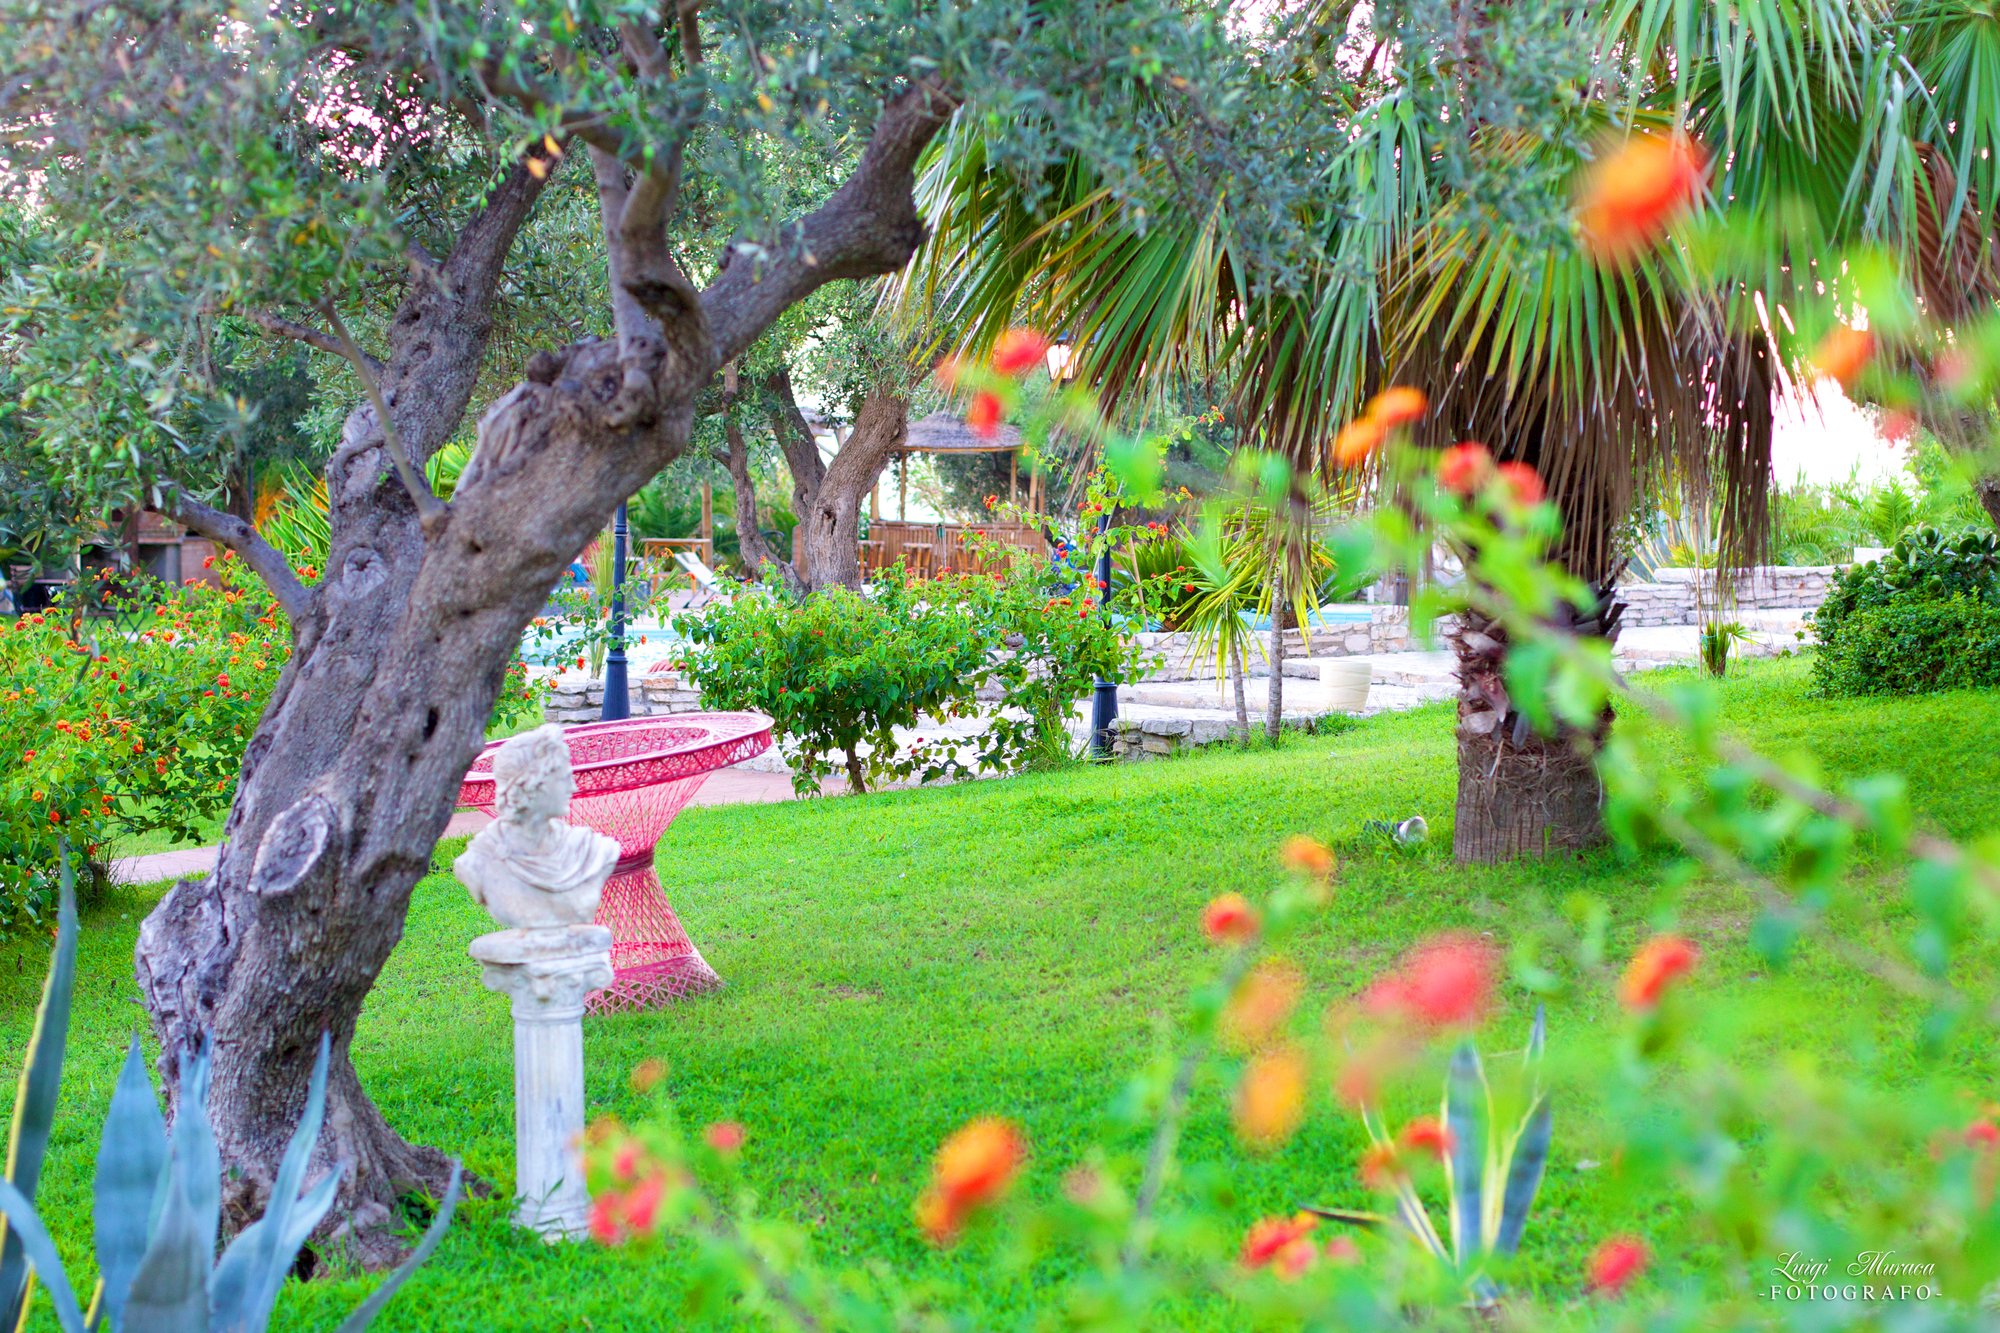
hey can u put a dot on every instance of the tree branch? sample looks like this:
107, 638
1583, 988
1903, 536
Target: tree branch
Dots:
429, 507
266, 561
284, 328
868, 227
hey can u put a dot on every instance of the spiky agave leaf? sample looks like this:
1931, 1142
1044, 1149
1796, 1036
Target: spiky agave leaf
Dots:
35, 1095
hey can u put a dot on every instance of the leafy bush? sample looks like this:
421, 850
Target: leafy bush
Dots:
1926, 617
127, 708
128, 705
838, 671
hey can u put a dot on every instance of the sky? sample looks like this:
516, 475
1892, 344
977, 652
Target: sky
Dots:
1824, 437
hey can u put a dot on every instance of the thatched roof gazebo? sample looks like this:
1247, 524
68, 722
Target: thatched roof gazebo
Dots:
943, 433
939, 547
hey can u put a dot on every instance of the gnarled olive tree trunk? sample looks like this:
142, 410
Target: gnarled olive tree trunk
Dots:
827, 496
399, 653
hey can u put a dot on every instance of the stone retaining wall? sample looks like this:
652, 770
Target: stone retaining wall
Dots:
1669, 600
651, 695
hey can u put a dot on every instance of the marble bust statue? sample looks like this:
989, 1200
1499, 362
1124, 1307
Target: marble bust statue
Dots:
528, 867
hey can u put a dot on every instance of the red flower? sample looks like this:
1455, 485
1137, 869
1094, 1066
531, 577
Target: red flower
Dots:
642, 1202
1017, 351
1983, 1135
604, 1225
1427, 1135
1447, 981
1524, 484
983, 416
1616, 1262
1229, 919
725, 1136
1465, 467
1629, 198
1343, 1251
1658, 963
1271, 1237
1844, 353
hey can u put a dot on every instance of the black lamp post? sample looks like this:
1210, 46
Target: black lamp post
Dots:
617, 696
1104, 698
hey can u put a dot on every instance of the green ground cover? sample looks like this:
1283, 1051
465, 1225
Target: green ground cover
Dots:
899, 963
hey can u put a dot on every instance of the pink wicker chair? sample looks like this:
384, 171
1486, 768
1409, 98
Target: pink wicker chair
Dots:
632, 778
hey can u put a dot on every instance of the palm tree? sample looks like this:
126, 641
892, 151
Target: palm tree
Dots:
1831, 123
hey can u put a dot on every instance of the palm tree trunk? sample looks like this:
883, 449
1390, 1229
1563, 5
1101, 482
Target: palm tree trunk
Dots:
1521, 792
1275, 708
1242, 703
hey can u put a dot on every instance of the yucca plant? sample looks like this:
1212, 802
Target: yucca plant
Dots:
35, 1100
1492, 1171
158, 1198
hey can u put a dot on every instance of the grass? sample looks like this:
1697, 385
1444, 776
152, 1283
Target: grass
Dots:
900, 963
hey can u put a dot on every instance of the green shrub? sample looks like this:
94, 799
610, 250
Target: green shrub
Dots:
1926, 617
838, 671
127, 709
1913, 647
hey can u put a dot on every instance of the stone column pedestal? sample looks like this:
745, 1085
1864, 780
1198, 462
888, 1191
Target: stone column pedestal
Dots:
548, 971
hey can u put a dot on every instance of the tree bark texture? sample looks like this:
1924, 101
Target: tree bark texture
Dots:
827, 497
1274, 708
400, 650
1521, 792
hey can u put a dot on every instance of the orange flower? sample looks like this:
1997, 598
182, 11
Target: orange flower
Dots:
1262, 1003
1308, 856
1630, 196
1844, 353
983, 416
1447, 981
1343, 1251
1658, 963
973, 1167
1427, 1135
1398, 406
1523, 483
1017, 351
1230, 919
1271, 1099
1381, 1167
725, 1136
948, 372
1356, 441
1465, 467
1270, 1237
1616, 1262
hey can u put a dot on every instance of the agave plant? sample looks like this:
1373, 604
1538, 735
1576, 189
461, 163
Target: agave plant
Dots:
158, 1199
35, 1101
1492, 1171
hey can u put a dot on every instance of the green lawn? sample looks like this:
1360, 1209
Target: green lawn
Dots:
901, 962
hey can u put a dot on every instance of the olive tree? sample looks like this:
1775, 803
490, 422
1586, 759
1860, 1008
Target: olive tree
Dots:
356, 177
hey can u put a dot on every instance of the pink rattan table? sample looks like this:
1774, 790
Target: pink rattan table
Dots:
632, 778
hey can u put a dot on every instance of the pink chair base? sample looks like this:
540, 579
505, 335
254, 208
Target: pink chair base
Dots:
632, 778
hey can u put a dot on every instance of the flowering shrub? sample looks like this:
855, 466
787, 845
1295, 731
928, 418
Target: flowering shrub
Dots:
839, 672
1767, 1157
127, 708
